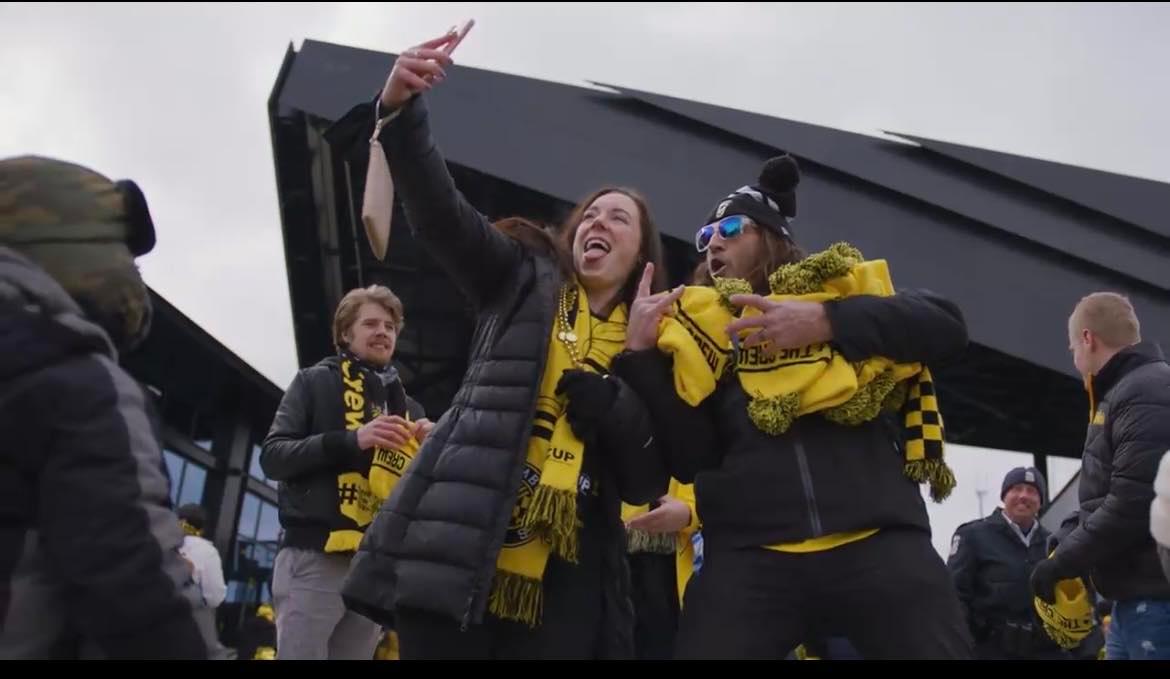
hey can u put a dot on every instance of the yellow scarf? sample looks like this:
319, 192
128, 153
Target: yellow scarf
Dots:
388, 648
388, 465
544, 519
679, 544
1069, 618
359, 495
798, 382
642, 542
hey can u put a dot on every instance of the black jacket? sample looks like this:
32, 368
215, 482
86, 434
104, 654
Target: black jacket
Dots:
991, 568
88, 540
434, 544
1127, 436
817, 478
308, 446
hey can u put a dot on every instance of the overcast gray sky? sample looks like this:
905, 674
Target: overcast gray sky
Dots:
174, 96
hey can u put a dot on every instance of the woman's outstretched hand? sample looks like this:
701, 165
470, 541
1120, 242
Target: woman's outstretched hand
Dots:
420, 68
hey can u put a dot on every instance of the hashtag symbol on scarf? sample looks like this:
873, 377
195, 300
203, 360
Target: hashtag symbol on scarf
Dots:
348, 492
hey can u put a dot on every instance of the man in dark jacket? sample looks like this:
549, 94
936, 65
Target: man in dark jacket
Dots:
991, 560
1129, 430
89, 546
817, 529
339, 421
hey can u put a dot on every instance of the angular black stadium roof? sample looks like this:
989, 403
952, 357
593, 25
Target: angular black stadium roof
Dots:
1014, 241
1141, 202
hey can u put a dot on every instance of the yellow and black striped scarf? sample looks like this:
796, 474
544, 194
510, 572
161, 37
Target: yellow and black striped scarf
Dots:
813, 379
361, 491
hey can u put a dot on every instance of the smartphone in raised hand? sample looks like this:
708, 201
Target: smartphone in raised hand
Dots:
459, 36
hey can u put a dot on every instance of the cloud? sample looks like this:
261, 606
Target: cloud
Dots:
174, 96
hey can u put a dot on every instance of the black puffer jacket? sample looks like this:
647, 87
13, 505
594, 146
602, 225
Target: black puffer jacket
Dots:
1128, 434
818, 478
433, 545
89, 544
308, 446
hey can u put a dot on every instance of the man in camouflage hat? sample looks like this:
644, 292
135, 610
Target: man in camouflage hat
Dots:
88, 542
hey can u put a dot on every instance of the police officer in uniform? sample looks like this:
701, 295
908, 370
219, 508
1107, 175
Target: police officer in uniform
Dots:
991, 561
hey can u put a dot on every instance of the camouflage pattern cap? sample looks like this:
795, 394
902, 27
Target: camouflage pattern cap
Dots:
45, 200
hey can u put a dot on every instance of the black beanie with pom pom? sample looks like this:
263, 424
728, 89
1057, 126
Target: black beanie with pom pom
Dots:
771, 202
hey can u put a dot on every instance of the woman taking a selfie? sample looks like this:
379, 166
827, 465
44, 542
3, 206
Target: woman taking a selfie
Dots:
504, 537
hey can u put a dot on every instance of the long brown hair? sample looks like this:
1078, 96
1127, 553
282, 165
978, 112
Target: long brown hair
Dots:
649, 251
538, 239
775, 251
559, 248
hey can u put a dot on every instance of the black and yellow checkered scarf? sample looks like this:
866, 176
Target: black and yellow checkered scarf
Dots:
924, 438
813, 379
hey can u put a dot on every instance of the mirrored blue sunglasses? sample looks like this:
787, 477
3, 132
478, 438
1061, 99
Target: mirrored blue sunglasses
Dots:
729, 227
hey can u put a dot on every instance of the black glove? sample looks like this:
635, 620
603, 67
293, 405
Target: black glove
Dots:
1044, 578
590, 396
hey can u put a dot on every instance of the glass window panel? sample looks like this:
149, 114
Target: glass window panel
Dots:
269, 528
175, 470
249, 514
194, 479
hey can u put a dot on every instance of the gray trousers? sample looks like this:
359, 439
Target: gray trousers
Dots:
312, 623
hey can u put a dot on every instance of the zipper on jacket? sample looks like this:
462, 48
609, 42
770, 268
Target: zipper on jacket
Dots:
466, 621
814, 516
478, 585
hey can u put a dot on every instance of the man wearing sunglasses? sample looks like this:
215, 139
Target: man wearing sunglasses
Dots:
816, 530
